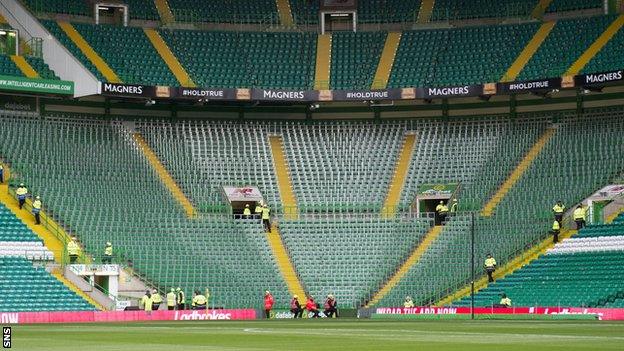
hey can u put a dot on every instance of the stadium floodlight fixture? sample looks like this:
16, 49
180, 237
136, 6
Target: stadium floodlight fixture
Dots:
150, 102
314, 106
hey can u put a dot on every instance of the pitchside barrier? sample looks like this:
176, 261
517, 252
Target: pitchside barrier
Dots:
491, 312
515, 317
124, 316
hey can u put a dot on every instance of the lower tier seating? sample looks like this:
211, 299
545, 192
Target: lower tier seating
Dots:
585, 270
27, 288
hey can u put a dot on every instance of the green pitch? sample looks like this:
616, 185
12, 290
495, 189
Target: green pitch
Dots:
340, 335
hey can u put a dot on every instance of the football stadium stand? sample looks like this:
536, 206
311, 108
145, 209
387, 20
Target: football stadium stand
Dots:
566, 275
331, 171
78, 8
110, 41
458, 56
287, 60
114, 191
342, 193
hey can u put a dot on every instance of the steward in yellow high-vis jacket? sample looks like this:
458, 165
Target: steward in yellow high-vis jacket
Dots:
490, 267
171, 300
73, 250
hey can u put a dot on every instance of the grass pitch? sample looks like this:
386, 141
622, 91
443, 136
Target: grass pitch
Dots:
323, 335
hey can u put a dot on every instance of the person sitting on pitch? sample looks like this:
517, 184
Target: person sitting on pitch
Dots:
330, 307
312, 308
295, 307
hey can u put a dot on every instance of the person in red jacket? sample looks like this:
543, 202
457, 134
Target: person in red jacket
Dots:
311, 307
295, 307
268, 303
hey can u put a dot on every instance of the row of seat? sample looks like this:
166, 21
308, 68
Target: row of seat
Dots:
137, 9
305, 11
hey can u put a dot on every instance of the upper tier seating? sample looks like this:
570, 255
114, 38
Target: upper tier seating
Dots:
445, 10
246, 59
354, 59
140, 65
369, 11
138, 9
231, 11
26, 288
8, 67
100, 186
77, 8
458, 56
143, 9
572, 5
609, 58
349, 257
286, 60
57, 32
307, 11
458, 10
565, 43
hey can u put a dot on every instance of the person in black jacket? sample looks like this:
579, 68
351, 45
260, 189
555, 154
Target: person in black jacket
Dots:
295, 307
